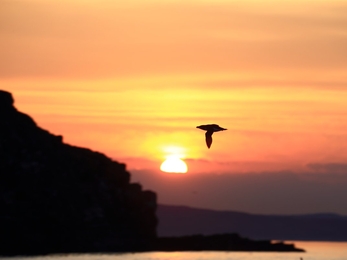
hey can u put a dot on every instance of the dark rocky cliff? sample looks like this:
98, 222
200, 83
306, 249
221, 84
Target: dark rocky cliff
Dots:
55, 197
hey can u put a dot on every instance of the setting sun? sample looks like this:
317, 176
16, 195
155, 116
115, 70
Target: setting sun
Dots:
174, 164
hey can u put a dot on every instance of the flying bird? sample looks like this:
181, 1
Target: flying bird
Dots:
210, 129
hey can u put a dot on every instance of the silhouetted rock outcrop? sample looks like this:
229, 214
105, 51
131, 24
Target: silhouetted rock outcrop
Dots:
221, 242
55, 197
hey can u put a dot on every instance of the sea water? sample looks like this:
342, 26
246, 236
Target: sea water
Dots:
314, 251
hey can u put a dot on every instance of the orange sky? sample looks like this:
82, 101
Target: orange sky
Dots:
133, 79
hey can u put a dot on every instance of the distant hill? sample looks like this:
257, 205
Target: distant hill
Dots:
182, 221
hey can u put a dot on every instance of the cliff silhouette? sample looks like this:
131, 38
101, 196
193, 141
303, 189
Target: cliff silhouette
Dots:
58, 198
55, 197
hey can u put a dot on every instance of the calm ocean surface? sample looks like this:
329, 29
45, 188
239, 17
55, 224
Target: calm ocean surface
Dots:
315, 251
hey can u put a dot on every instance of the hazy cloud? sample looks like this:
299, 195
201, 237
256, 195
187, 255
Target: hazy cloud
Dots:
329, 167
107, 39
266, 193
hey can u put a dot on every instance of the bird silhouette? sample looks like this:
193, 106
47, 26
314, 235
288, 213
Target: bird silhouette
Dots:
210, 129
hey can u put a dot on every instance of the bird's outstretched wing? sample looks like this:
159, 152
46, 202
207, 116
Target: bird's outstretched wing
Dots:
208, 135
211, 127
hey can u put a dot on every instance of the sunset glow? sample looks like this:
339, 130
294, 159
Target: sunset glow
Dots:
133, 80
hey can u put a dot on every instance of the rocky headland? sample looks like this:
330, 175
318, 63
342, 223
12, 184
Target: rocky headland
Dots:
58, 198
